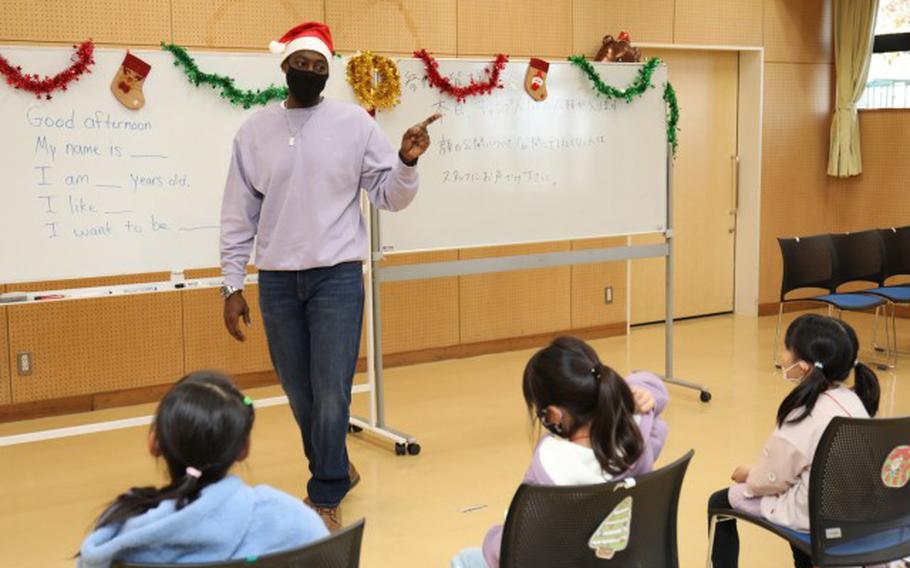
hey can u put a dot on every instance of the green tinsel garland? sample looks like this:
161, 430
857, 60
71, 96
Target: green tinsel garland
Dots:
672, 116
638, 87
229, 91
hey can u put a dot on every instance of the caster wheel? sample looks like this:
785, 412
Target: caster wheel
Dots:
400, 449
413, 449
354, 429
705, 396
879, 349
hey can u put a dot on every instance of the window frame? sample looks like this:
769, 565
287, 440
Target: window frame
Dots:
890, 43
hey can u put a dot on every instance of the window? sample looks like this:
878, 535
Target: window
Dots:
888, 84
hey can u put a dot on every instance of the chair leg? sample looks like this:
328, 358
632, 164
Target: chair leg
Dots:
875, 344
890, 343
774, 346
893, 334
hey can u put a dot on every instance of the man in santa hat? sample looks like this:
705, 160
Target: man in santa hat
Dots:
294, 187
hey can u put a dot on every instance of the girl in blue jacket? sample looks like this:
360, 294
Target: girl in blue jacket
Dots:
201, 429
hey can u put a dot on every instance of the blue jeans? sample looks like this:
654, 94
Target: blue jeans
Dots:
313, 321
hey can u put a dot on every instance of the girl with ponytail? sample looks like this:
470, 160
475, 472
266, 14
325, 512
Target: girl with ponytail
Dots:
821, 353
600, 426
203, 514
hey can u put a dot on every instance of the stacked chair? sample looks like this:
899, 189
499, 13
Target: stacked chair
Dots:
828, 262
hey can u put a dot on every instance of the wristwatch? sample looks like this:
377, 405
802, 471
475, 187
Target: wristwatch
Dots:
227, 291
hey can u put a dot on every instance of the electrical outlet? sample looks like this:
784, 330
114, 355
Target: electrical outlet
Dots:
24, 363
608, 295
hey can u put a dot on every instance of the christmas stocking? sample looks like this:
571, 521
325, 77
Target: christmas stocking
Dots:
536, 79
127, 83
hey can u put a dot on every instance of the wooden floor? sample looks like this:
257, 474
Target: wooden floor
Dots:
469, 417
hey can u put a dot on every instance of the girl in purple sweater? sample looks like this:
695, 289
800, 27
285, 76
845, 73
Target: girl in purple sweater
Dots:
601, 427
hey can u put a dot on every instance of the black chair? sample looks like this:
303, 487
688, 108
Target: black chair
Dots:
859, 257
895, 262
856, 517
810, 262
896, 242
340, 550
553, 526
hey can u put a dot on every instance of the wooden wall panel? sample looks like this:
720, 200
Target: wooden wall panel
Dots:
718, 22
245, 24
798, 32
514, 304
97, 345
588, 282
5, 371
645, 20
420, 314
795, 196
393, 26
126, 22
208, 344
520, 28
880, 196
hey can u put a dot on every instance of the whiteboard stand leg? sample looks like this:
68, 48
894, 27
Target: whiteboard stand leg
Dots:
704, 393
405, 444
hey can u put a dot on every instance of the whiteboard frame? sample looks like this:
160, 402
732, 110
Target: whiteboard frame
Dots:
424, 271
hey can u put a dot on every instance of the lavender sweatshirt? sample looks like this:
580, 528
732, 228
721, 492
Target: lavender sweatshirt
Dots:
300, 203
542, 471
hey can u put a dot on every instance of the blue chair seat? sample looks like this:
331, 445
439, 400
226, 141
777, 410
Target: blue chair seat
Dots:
896, 294
850, 302
865, 545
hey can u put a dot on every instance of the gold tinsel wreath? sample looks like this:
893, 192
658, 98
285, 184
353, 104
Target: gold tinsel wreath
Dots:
383, 95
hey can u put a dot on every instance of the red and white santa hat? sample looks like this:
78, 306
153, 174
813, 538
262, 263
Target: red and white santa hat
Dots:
311, 36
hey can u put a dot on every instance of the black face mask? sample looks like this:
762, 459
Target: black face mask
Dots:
305, 86
555, 429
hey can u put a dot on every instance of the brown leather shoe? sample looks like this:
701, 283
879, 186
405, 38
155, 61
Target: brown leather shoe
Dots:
354, 475
331, 516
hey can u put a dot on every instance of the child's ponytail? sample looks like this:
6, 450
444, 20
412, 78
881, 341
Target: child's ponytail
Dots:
615, 436
831, 347
866, 387
568, 374
138, 500
202, 427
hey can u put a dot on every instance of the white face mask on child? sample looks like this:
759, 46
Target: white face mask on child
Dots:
785, 373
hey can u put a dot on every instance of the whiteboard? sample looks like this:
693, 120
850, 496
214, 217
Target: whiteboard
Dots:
505, 169
90, 188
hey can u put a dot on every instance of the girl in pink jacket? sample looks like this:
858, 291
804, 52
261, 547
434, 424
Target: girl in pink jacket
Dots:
820, 355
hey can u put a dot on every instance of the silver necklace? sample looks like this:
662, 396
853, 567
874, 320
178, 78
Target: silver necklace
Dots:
292, 134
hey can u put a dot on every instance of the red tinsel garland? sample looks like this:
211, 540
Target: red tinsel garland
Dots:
82, 59
473, 88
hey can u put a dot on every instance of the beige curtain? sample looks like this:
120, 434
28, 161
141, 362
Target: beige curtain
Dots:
854, 32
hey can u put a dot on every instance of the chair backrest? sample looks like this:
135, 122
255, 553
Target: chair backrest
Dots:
808, 263
857, 257
340, 550
896, 242
581, 526
859, 491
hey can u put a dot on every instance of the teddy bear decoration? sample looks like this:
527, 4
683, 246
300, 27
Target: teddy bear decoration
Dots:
618, 50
